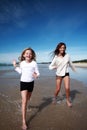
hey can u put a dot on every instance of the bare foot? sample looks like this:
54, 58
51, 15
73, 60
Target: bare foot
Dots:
69, 104
54, 100
24, 127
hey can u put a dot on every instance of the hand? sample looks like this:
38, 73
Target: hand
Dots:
35, 75
14, 63
55, 67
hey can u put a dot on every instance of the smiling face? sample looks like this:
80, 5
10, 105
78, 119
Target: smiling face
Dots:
62, 49
28, 55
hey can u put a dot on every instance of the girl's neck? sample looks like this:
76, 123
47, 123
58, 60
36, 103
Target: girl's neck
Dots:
28, 61
60, 55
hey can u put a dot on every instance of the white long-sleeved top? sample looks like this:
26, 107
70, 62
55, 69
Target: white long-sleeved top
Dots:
26, 70
62, 65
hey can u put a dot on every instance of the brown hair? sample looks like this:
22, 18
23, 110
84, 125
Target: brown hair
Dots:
56, 51
33, 54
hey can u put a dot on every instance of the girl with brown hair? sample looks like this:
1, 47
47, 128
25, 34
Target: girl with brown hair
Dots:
61, 63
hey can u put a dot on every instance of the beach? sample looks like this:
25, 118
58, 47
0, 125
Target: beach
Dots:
81, 64
41, 113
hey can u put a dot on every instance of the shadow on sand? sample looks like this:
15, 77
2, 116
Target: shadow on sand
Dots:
47, 101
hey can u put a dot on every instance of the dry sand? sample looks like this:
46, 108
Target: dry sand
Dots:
41, 113
81, 65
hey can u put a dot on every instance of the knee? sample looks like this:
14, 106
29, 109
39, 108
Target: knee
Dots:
58, 89
24, 102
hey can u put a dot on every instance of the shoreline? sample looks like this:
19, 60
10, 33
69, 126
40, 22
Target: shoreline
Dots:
79, 64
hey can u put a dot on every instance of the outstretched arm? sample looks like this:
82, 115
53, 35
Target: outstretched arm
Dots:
18, 69
14, 63
72, 66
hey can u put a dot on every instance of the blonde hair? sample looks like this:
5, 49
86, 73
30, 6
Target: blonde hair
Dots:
33, 54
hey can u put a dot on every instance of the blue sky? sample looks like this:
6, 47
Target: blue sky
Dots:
41, 24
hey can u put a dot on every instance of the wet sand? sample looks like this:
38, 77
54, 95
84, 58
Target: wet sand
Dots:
41, 113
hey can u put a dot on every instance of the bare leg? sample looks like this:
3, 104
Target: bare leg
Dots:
67, 88
28, 98
24, 105
58, 86
29, 95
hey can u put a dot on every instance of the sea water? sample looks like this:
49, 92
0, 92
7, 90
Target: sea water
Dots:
80, 75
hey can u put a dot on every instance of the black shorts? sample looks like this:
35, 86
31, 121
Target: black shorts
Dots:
67, 74
26, 86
